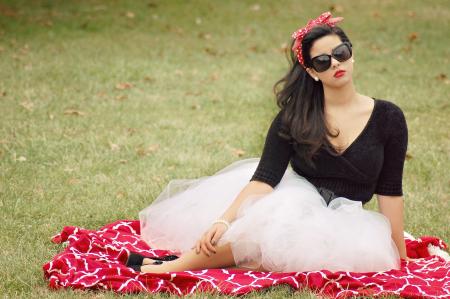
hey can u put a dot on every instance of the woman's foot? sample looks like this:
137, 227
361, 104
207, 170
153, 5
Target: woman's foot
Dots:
150, 260
162, 268
138, 268
138, 259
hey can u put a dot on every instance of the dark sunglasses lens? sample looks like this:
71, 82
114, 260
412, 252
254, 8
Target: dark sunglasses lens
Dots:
321, 63
342, 53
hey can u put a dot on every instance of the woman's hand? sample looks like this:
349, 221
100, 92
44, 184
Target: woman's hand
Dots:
209, 239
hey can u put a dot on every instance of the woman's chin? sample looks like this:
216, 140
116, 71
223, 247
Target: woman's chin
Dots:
339, 82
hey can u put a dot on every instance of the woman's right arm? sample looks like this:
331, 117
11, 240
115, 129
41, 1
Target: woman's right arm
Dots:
251, 189
271, 168
210, 238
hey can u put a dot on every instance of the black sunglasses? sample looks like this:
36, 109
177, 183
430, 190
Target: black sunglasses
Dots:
341, 53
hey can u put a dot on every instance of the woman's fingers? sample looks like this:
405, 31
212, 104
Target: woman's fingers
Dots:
216, 237
202, 245
208, 241
197, 247
205, 248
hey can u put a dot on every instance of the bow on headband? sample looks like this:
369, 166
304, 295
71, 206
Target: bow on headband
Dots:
324, 18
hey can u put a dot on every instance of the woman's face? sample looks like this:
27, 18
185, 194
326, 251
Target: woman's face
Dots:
325, 45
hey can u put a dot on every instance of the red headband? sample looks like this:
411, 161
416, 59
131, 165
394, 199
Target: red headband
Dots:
324, 18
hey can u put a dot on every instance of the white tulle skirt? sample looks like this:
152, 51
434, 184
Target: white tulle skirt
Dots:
290, 229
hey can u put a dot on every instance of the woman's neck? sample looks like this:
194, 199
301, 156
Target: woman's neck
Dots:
341, 97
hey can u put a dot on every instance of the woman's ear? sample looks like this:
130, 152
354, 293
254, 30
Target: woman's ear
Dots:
312, 73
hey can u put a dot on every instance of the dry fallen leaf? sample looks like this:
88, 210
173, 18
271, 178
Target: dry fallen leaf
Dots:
375, 47
47, 23
413, 36
255, 78
411, 14
39, 190
149, 79
131, 131
283, 47
214, 76
238, 152
101, 94
255, 49
73, 181
113, 146
124, 85
211, 51
336, 8
141, 151
407, 48
121, 194
74, 112
121, 97
156, 178
27, 105
443, 77
193, 93
255, 7
175, 29
203, 35
7, 11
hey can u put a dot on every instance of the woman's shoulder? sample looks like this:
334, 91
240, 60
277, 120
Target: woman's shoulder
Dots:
391, 116
388, 107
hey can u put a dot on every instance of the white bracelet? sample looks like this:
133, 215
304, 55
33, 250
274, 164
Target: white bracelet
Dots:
222, 221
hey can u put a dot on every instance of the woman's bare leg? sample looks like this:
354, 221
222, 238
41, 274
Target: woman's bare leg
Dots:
223, 258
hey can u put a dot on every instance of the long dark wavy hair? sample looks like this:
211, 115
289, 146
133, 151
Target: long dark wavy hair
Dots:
302, 101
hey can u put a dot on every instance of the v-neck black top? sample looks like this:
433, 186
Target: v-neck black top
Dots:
372, 164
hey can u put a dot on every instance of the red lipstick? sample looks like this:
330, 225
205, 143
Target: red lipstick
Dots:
339, 73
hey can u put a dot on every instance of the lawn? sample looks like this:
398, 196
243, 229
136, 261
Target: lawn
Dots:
104, 102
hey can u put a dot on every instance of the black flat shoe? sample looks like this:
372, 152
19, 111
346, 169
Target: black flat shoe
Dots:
137, 259
137, 268
134, 259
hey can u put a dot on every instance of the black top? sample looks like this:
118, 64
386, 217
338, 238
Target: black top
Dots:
373, 163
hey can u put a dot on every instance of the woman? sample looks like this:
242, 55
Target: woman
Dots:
258, 214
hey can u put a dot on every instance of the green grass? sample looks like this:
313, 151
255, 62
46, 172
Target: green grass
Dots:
202, 74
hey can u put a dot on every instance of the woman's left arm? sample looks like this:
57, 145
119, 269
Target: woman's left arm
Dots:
392, 208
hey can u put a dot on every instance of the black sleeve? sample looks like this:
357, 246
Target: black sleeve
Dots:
275, 156
391, 175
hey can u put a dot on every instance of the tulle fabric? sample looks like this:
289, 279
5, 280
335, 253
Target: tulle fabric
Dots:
290, 229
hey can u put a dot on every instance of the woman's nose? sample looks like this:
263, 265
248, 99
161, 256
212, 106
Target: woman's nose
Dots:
334, 62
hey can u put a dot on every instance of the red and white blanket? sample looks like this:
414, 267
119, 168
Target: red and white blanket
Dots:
94, 259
